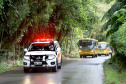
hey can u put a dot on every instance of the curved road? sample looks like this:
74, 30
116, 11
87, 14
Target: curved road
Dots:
74, 71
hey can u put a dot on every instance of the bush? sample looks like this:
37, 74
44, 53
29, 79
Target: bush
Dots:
118, 42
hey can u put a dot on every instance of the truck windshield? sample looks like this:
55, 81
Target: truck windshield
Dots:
103, 46
42, 47
86, 44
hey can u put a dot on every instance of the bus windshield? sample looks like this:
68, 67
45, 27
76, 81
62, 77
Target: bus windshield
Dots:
103, 46
86, 44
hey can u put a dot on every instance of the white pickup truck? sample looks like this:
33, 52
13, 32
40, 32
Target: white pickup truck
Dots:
43, 54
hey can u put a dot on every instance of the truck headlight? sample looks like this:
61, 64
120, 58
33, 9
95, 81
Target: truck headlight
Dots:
27, 57
51, 57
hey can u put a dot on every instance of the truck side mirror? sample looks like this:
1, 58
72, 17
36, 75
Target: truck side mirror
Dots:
58, 49
25, 49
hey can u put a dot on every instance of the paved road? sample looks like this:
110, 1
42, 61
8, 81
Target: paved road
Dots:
74, 71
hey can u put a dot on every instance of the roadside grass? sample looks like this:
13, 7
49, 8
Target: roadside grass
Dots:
111, 74
9, 65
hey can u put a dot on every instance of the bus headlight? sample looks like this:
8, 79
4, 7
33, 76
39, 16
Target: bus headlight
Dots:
80, 51
27, 57
92, 50
51, 57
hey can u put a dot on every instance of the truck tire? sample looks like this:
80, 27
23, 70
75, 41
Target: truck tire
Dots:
59, 67
55, 69
26, 70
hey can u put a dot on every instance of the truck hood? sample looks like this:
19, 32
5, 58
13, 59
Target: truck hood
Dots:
40, 53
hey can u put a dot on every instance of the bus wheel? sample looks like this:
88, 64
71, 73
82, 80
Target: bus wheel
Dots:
80, 56
93, 56
99, 55
84, 56
96, 55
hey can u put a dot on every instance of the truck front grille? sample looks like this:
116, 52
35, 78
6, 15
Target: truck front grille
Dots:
38, 58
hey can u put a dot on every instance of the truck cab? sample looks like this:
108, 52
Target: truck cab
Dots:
43, 54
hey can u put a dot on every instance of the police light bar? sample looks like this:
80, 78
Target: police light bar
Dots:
43, 40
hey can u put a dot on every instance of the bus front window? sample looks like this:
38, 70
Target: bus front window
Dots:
103, 46
86, 44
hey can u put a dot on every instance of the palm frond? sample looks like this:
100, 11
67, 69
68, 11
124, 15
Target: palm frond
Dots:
114, 28
115, 7
111, 21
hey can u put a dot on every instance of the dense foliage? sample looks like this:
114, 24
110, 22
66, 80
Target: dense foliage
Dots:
116, 27
115, 17
118, 41
22, 21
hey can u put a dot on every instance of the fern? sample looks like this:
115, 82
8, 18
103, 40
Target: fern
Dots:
116, 17
114, 28
115, 7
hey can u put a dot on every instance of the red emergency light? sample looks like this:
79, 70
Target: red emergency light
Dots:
43, 40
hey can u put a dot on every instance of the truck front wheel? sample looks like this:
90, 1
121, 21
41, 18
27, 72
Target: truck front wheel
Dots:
26, 70
59, 67
55, 68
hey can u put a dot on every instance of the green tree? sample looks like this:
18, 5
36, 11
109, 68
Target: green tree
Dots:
115, 17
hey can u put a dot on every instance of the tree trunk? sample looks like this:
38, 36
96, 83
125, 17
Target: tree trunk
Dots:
6, 56
66, 44
23, 52
0, 45
90, 34
71, 42
19, 48
1, 39
14, 54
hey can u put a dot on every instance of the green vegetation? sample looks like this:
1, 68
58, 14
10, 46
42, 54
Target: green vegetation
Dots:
64, 20
111, 74
119, 39
22, 21
115, 27
10, 65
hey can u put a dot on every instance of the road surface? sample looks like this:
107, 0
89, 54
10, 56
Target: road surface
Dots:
74, 71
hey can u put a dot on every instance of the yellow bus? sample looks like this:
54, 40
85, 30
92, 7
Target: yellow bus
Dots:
104, 48
96, 47
88, 47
